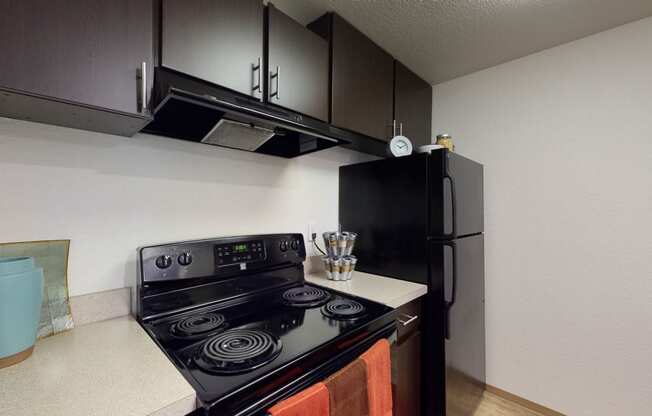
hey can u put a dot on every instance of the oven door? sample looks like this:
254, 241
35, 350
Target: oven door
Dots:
317, 374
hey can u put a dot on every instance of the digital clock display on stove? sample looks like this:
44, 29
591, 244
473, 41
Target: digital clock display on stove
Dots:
239, 252
240, 248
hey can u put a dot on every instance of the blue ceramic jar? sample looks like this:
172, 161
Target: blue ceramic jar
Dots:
21, 294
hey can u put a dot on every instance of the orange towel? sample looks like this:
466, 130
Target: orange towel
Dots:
348, 391
379, 378
312, 401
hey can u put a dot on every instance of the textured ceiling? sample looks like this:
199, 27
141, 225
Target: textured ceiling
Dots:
444, 39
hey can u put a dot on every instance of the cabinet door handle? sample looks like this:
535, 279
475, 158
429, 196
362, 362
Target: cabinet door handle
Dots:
409, 320
258, 84
143, 87
277, 75
400, 129
393, 128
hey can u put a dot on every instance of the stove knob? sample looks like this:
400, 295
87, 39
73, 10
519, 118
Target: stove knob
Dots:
284, 245
163, 262
185, 259
294, 245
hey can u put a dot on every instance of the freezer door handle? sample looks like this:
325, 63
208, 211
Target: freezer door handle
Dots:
453, 234
448, 304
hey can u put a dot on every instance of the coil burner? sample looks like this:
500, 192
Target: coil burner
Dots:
305, 297
238, 351
344, 310
198, 325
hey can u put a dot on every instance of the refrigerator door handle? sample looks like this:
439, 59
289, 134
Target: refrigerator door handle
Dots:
453, 234
448, 304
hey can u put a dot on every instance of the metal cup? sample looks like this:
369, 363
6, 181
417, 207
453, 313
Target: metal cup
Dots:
350, 243
346, 268
336, 268
354, 261
341, 243
330, 241
326, 242
327, 267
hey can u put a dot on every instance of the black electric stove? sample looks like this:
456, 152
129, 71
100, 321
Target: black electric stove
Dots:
237, 319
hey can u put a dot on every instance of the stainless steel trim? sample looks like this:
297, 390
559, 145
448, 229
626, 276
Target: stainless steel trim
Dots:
257, 67
260, 76
277, 75
143, 86
278, 82
409, 320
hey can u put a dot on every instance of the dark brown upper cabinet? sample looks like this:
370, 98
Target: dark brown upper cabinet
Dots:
77, 63
412, 105
362, 79
219, 41
298, 66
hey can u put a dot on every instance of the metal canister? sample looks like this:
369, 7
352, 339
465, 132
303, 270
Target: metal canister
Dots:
346, 268
331, 246
447, 141
326, 242
336, 268
327, 266
342, 239
350, 243
354, 261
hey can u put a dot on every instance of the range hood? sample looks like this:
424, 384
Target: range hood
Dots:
190, 109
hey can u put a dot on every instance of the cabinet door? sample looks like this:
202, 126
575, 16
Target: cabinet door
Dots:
362, 82
412, 105
406, 376
82, 51
220, 41
406, 361
298, 66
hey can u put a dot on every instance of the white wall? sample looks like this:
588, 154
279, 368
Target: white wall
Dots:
110, 194
566, 139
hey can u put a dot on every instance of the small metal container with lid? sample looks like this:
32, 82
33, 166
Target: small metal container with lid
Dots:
446, 141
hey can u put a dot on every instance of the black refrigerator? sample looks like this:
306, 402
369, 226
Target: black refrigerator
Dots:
420, 218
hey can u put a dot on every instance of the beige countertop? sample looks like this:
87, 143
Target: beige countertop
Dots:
100, 369
113, 368
391, 292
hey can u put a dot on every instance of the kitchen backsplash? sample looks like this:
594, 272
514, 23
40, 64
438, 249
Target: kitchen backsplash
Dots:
110, 194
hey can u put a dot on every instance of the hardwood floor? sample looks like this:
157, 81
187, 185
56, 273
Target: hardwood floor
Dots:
493, 405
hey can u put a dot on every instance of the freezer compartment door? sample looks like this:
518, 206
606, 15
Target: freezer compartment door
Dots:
386, 203
457, 199
462, 271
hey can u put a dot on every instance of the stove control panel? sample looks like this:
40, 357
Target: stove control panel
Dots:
219, 257
239, 252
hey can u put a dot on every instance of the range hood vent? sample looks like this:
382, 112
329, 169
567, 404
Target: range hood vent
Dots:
229, 133
194, 110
